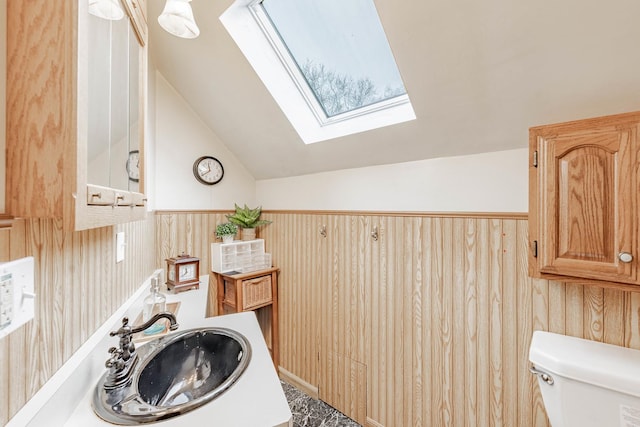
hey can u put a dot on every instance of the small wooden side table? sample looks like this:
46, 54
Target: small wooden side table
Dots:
251, 292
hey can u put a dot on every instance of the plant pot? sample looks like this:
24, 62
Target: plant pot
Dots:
248, 234
227, 239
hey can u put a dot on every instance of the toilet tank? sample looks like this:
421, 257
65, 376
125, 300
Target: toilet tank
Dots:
594, 384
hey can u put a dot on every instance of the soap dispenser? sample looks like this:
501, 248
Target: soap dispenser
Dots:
154, 303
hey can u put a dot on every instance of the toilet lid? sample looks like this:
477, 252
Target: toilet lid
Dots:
604, 365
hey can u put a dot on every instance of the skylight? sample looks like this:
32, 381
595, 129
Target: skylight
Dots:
341, 50
327, 63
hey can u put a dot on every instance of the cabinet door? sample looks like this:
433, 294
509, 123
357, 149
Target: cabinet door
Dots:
113, 106
119, 103
99, 96
587, 199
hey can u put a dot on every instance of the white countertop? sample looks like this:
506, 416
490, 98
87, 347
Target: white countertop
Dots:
255, 400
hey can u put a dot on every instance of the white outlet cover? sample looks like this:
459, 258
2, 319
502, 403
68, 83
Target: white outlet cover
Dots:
22, 275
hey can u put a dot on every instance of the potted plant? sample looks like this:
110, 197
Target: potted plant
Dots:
226, 231
248, 220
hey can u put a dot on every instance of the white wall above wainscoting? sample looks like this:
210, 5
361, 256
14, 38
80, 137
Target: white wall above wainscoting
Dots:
488, 182
180, 138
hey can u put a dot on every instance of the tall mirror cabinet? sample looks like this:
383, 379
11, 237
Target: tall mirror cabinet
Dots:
76, 85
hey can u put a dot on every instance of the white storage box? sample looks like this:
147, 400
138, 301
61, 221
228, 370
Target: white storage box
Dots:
240, 256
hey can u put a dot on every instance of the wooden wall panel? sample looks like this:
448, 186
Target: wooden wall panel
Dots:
188, 232
78, 286
5, 236
439, 311
510, 286
493, 259
342, 314
300, 252
346, 385
449, 313
632, 320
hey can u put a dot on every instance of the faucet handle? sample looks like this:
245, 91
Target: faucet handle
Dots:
124, 330
115, 361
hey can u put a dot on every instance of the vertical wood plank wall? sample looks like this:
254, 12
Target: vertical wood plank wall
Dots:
429, 325
78, 286
191, 233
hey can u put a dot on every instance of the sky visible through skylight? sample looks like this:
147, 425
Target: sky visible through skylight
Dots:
341, 49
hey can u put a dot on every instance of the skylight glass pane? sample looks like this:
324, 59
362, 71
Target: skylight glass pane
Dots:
341, 50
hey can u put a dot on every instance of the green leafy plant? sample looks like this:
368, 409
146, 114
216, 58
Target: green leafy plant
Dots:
226, 229
247, 218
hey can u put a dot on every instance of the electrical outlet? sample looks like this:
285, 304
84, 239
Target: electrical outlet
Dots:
16, 294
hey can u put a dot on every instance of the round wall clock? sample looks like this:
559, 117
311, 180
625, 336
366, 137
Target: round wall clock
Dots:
133, 166
208, 170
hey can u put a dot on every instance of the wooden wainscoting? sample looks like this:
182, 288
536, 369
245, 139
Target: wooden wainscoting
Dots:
437, 313
191, 233
344, 384
78, 286
188, 232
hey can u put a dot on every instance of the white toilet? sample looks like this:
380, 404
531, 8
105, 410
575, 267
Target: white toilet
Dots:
586, 383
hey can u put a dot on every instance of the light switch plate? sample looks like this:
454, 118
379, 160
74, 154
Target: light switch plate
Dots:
120, 246
17, 297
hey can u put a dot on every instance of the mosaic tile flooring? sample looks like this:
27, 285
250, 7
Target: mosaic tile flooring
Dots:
310, 412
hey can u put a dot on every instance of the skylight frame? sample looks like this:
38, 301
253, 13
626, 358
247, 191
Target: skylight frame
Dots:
272, 62
289, 63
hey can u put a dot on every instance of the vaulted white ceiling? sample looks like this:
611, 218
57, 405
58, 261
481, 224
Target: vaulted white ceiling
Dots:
479, 74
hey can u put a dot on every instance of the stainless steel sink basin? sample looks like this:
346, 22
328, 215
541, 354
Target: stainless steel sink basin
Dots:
175, 374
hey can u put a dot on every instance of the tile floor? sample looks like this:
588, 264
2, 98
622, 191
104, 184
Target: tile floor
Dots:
310, 412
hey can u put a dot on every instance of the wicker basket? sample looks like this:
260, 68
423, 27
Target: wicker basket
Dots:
255, 292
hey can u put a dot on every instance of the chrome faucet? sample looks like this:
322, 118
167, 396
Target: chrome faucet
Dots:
124, 358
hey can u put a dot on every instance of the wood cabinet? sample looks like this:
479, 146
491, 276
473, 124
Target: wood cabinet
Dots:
253, 291
583, 200
48, 119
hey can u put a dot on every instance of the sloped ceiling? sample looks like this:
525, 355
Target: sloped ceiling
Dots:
479, 74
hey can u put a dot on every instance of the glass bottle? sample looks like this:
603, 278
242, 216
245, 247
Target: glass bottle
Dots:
154, 303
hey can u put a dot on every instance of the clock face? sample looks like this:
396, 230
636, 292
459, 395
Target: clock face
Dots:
208, 170
186, 272
133, 166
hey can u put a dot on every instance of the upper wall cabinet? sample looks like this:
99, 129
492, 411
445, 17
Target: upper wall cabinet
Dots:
583, 200
75, 113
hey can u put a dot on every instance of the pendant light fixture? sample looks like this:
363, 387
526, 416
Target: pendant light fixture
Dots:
177, 19
106, 9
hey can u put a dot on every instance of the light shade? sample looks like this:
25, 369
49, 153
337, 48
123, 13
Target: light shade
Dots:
106, 9
177, 19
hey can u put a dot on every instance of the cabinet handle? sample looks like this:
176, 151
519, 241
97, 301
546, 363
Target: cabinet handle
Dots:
625, 257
